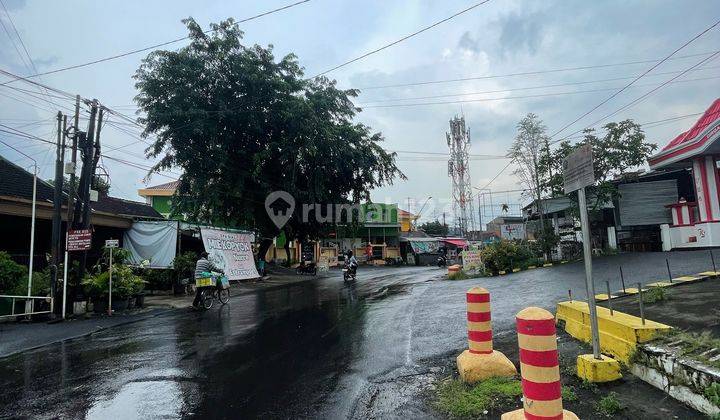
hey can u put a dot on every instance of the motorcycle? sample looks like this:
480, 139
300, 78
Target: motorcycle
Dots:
349, 272
441, 261
309, 268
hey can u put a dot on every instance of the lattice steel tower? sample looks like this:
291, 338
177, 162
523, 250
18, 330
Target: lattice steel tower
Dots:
458, 140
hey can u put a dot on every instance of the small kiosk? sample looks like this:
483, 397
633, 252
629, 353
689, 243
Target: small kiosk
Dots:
696, 223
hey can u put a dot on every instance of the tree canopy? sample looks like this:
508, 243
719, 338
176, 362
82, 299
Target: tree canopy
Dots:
241, 124
434, 228
620, 148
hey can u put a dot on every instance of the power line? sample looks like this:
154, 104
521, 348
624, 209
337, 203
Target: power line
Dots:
496, 176
449, 95
609, 98
401, 39
528, 73
646, 95
162, 44
539, 95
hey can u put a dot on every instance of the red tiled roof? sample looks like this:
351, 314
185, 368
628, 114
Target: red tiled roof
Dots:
712, 114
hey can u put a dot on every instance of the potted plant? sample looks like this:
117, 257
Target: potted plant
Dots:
125, 285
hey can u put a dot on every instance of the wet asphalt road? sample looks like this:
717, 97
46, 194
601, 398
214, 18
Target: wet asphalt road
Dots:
318, 348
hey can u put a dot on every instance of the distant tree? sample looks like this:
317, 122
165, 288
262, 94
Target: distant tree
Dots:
434, 228
241, 124
620, 148
525, 153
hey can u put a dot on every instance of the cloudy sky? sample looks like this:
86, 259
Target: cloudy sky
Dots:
498, 39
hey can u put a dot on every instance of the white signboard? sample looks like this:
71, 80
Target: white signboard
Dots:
512, 231
112, 243
230, 251
578, 171
471, 260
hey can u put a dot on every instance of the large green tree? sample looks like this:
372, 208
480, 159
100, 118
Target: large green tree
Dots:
619, 148
241, 124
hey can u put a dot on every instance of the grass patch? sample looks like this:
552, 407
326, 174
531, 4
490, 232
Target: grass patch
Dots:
712, 393
654, 294
568, 394
609, 405
692, 345
458, 275
457, 399
463, 275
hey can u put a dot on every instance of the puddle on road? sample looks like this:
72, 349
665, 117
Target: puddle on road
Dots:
156, 399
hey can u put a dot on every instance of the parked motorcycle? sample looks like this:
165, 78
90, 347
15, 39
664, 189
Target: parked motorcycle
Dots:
309, 268
349, 272
441, 261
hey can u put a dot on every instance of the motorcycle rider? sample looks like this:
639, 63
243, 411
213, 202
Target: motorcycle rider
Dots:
351, 261
204, 268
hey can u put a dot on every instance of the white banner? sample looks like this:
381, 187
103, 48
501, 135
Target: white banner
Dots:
230, 251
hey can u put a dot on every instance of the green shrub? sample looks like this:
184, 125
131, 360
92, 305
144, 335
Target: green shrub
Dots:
458, 400
609, 405
184, 264
712, 393
458, 275
125, 283
654, 294
506, 255
157, 279
13, 276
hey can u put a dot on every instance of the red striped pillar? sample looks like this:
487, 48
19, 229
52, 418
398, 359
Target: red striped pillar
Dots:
479, 325
539, 367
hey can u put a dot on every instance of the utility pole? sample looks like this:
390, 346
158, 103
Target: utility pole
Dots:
82, 210
73, 178
57, 217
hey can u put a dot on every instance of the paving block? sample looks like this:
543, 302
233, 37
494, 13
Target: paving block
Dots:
563, 262
530, 267
501, 272
601, 297
709, 273
515, 270
547, 265
591, 369
659, 284
633, 290
685, 279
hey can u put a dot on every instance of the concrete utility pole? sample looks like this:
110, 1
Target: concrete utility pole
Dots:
57, 209
82, 210
458, 141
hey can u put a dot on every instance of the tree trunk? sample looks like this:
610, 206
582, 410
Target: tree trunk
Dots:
263, 249
287, 247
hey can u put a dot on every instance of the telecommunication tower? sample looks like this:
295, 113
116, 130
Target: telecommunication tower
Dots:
458, 140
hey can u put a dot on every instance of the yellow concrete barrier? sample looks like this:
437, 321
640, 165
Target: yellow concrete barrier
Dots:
619, 333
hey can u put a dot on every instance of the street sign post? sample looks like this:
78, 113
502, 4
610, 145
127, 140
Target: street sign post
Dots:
111, 243
76, 240
578, 173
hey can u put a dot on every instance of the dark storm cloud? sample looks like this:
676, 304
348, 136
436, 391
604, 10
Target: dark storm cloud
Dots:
520, 33
511, 34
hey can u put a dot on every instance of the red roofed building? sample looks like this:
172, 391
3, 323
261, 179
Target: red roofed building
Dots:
695, 223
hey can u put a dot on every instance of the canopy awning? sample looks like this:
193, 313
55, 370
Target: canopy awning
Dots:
700, 139
461, 243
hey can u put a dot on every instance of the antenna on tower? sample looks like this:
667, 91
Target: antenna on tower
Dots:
459, 171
